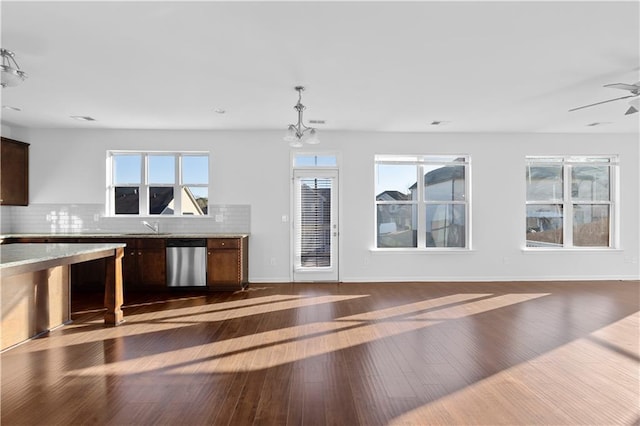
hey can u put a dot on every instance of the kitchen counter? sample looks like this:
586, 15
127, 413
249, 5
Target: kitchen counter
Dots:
35, 286
121, 235
20, 258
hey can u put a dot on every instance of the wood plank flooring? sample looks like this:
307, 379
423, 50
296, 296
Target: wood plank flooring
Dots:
513, 353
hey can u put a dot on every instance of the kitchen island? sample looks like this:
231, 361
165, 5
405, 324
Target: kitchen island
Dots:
35, 286
144, 266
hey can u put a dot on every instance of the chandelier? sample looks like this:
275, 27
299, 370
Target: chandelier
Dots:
296, 133
11, 74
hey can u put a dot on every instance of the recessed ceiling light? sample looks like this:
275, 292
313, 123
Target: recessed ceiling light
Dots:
219, 111
439, 123
83, 118
11, 108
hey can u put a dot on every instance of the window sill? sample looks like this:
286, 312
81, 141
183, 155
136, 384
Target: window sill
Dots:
408, 250
571, 250
156, 217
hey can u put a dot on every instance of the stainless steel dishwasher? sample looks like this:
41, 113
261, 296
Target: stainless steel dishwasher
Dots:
186, 262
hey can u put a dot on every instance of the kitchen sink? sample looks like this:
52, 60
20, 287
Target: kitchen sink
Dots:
146, 234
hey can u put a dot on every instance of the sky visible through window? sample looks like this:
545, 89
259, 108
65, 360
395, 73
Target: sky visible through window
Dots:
395, 177
127, 169
398, 177
162, 169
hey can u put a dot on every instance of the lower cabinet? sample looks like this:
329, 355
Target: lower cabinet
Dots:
143, 266
227, 263
144, 263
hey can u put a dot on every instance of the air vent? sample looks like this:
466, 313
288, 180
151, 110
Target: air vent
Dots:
316, 121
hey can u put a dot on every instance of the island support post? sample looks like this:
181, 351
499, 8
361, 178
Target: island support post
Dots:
113, 296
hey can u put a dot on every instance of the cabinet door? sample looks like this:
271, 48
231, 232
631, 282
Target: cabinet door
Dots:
223, 266
152, 267
130, 268
14, 173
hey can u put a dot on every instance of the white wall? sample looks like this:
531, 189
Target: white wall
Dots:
252, 167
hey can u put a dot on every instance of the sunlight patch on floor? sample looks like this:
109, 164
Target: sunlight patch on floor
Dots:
256, 351
555, 385
165, 320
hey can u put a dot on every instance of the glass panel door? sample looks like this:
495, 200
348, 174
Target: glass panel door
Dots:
315, 226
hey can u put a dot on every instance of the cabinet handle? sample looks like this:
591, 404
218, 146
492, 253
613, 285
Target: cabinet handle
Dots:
222, 244
209, 253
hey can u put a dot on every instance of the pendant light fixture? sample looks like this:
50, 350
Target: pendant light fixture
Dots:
296, 133
11, 73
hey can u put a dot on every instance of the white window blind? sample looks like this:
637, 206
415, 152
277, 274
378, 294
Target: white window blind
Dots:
313, 239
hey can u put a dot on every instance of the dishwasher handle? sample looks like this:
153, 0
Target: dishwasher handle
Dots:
186, 242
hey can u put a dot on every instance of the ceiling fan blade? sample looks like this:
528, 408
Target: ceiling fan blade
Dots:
603, 102
631, 110
629, 87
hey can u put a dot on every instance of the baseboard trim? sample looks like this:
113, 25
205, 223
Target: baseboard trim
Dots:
493, 279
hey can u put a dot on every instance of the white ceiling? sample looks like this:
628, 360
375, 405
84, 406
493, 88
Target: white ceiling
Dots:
379, 66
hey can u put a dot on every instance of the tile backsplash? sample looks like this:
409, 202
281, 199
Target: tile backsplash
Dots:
89, 218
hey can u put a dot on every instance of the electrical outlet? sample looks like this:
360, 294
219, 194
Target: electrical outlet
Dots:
219, 218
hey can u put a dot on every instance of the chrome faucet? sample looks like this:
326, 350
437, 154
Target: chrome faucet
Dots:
155, 226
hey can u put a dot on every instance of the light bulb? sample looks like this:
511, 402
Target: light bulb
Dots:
291, 134
313, 138
296, 143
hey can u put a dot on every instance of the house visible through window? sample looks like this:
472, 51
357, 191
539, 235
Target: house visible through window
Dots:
158, 183
570, 201
422, 201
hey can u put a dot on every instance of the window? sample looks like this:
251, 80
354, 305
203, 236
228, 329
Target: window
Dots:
315, 160
422, 201
570, 201
158, 183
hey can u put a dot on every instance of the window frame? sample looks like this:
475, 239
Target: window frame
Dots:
144, 185
568, 203
421, 161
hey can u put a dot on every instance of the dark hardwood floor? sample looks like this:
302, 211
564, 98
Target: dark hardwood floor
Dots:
513, 353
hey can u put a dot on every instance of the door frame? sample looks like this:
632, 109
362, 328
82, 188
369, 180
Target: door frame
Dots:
333, 172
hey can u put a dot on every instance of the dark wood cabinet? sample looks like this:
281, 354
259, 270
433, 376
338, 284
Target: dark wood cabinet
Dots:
144, 264
227, 263
130, 264
14, 173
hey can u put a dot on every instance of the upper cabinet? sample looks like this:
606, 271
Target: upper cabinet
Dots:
14, 173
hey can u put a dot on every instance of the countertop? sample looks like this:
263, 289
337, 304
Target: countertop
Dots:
122, 235
17, 258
